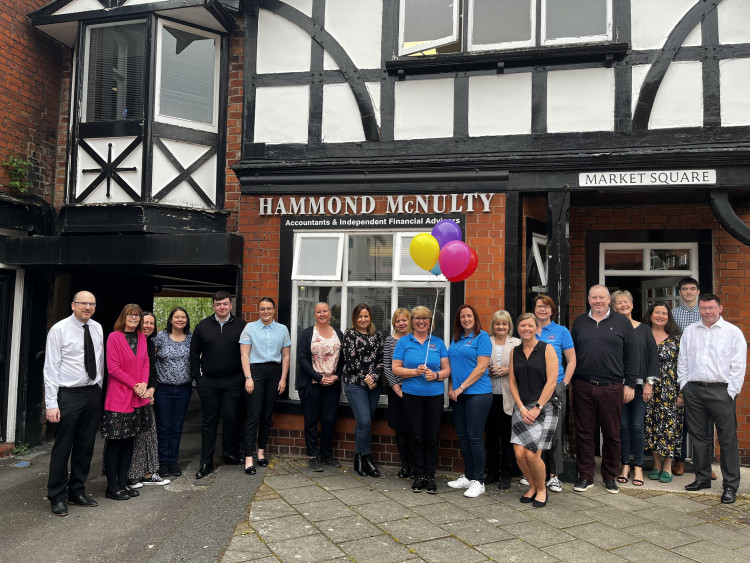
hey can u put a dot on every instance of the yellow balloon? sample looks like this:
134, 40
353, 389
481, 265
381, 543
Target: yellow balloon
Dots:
425, 251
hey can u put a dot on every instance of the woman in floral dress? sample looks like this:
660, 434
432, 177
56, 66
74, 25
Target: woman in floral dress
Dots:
664, 411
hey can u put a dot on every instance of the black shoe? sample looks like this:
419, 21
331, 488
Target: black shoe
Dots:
205, 470
369, 466
491, 477
403, 473
503, 484
418, 485
582, 485
59, 508
331, 461
262, 462
132, 492
233, 460
729, 495
698, 485
526, 500
164, 470
117, 495
429, 485
174, 470
358, 466
82, 500
538, 504
315, 465
250, 470
611, 486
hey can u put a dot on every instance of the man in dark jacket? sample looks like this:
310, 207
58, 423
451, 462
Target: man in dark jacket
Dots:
215, 365
606, 358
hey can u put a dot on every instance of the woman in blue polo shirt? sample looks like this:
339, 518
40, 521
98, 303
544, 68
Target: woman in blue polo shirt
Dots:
264, 351
469, 355
421, 360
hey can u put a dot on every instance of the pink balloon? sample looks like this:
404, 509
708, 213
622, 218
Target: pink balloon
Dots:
470, 269
455, 258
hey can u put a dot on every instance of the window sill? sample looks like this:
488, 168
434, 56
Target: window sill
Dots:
499, 60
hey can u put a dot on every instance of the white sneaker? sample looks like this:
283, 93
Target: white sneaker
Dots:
475, 489
155, 479
460, 483
554, 484
134, 484
524, 481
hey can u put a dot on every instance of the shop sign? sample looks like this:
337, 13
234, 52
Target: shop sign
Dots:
365, 205
367, 221
648, 178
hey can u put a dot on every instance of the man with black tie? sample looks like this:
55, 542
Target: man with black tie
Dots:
73, 367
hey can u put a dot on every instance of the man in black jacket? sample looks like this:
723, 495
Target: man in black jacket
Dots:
606, 357
215, 365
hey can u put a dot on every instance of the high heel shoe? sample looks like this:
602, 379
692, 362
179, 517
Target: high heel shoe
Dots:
250, 470
369, 466
358, 465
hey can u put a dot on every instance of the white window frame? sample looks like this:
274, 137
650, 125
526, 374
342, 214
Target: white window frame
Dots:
398, 246
453, 38
343, 283
542, 262
298, 237
646, 271
471, 46
573, 40
214, 125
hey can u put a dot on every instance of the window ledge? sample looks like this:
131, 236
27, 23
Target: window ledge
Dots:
499, 60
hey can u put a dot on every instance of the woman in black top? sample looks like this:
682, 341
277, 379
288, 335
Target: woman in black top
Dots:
533, 378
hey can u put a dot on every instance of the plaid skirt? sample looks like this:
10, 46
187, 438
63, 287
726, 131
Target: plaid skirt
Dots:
121, 425
536, 436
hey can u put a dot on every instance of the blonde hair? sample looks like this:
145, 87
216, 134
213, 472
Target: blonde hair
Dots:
525, 316
621, 293
397, 313
419, 311
501, 316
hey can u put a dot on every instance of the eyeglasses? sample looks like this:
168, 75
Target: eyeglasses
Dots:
544, 307
85, 303
421, 319
266, 309
133, 315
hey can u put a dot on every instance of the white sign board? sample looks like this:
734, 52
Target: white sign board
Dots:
648, 178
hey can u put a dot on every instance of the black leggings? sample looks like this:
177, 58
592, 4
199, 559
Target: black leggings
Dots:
259, 405
117, 457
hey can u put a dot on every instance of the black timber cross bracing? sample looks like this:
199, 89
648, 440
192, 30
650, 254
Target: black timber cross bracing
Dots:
109, 170
184, 174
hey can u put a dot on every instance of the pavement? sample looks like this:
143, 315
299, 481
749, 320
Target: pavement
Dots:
289, 513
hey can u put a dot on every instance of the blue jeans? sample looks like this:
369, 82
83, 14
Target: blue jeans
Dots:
631, 429
363, 401
470, 415
170, 404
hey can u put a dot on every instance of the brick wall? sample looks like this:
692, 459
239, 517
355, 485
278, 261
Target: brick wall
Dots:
29, 95
731, 268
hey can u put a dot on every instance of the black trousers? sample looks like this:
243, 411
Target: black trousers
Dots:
117, 457
80, 413
259, 405
497, 440
320, 404
424, 415
220, 398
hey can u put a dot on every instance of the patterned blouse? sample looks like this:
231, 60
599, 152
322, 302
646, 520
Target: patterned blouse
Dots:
172, 359
363, 354
325, 353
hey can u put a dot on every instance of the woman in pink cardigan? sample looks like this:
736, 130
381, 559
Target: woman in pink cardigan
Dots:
124, 417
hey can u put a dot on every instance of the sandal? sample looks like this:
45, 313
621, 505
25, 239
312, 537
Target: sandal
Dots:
665, 477
622, 479
655, 474
638, 482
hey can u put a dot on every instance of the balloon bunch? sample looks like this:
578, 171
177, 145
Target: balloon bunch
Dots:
443, 252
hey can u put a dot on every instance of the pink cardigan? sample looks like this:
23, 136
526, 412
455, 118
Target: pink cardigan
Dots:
125, 370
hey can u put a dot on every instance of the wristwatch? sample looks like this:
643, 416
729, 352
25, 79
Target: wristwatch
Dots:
538, 406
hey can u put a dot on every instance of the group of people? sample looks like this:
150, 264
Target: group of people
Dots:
508, 395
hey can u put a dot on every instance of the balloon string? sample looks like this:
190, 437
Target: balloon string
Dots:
432, 324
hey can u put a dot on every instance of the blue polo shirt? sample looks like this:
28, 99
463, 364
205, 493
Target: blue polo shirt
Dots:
266, 341
463, 355
412, 354
559, 338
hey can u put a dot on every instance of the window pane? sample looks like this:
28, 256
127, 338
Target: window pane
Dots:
187, 75
407, 267
623, 259
670, 259
379, 300
427, 20
578, 18
115, 81
370, 257
308, 297
501, 22
410, 297
318, 256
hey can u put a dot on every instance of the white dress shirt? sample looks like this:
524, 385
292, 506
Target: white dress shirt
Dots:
715, 354
63, 361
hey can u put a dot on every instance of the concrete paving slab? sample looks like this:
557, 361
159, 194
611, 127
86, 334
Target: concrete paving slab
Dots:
442, 513
238, 557
499, 514
575, 501
383, 511
719, 535
289, 481
337, 482
342, 530
309, 549
378, 549
284, 528
645, 551
613, 517
624, 502
538, 533
661, 535
678, 503
458, 499
412, 530
273, 508
580, 551
603, 536
301, 495
447, 550
324, 510
560, 517
247, 548
514, 550
708, 552
411, 499
673, 520
359, 496
476, 532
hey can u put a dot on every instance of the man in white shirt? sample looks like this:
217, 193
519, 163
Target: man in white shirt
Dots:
73, 367
710, 372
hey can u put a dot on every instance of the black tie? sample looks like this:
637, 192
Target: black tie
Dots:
89, 356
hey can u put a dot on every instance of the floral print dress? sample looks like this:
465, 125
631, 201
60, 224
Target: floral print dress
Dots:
664, 418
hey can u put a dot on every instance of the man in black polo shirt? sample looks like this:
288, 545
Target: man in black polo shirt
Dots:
606, 356
216, 366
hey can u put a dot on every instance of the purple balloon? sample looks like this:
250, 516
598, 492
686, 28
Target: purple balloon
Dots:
455, 258
446, 231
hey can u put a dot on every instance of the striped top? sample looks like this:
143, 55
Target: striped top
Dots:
388, 347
